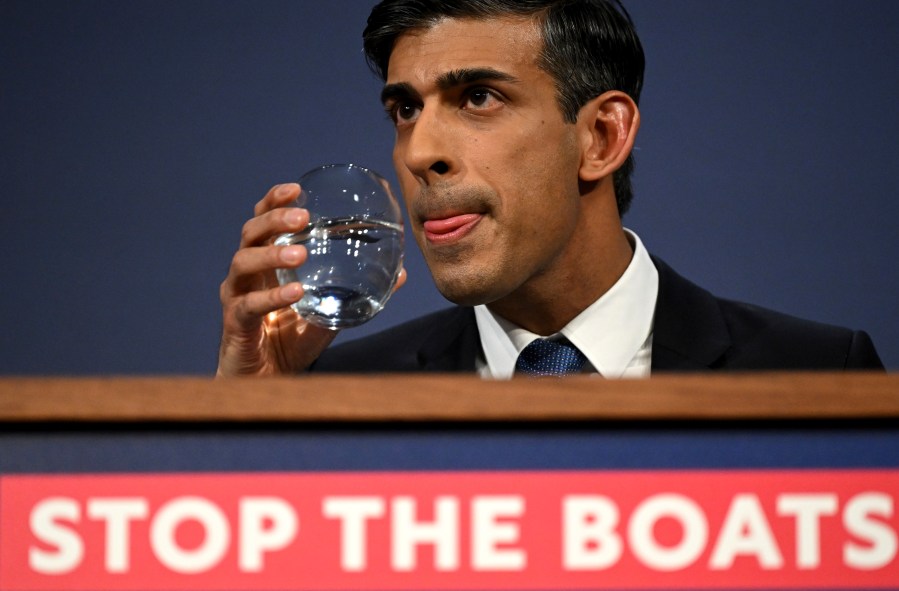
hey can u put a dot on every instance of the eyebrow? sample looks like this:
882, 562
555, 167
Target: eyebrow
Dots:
464, 76
446, 81
398, 91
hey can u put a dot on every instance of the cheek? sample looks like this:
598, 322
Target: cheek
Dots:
399, 166
407, 186
549, 201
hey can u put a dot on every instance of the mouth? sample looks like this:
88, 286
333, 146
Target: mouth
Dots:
444, 230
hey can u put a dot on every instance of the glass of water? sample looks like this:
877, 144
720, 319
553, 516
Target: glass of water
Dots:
355, 245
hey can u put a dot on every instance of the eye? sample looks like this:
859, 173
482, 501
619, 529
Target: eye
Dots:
403, 111
480, 98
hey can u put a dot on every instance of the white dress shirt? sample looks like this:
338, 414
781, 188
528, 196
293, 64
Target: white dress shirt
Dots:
614, 332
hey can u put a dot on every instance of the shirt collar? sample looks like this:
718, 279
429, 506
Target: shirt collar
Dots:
610, 332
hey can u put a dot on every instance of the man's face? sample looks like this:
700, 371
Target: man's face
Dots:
487, 165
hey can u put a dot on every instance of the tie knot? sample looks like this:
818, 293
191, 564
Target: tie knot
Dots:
544, 357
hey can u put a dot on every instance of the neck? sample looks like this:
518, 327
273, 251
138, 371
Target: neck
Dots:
598, 254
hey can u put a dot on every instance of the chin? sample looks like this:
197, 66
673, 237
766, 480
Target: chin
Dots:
465, 299
472, 290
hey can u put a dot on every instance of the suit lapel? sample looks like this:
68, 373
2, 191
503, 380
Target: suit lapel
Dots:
689, 331
452, 344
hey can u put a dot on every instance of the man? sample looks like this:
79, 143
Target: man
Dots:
515, 122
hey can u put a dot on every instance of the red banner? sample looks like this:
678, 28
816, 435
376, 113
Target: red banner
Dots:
832, 529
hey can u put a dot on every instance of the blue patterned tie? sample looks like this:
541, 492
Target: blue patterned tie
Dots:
544, 357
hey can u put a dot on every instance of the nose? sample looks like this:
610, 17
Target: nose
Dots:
426, 151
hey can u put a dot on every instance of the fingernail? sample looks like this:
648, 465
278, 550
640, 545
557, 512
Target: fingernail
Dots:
290, 292
286, 188
294, 217
291, 254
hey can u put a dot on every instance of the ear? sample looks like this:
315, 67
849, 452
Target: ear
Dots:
607, 128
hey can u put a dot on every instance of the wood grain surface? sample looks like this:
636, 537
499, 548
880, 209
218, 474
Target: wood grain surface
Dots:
450, 398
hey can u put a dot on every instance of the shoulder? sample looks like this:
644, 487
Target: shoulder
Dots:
694, 329
773, 340
439, 341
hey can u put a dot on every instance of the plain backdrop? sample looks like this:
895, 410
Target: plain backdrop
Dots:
136, 137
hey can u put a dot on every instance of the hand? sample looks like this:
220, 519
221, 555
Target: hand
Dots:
261, 334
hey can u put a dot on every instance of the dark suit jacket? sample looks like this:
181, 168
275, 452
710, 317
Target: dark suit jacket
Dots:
693, 331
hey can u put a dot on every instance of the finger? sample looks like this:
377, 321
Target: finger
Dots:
260, 229
249, 310
277, 196
401, 279
250, 266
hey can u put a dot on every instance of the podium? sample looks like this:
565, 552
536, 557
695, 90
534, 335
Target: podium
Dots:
753, 481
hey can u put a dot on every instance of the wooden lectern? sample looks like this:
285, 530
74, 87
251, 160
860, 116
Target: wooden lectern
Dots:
386, 398
761, 481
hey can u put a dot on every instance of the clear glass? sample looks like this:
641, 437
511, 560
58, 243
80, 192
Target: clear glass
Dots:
355, 245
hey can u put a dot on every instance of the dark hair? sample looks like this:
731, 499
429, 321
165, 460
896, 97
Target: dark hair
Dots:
589, 47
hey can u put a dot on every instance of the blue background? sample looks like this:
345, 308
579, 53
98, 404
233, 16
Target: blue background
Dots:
538, 446
136, 137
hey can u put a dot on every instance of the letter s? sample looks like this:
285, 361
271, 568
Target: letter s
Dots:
881, 537
68, 547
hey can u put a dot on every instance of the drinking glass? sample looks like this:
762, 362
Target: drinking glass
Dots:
355, 244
